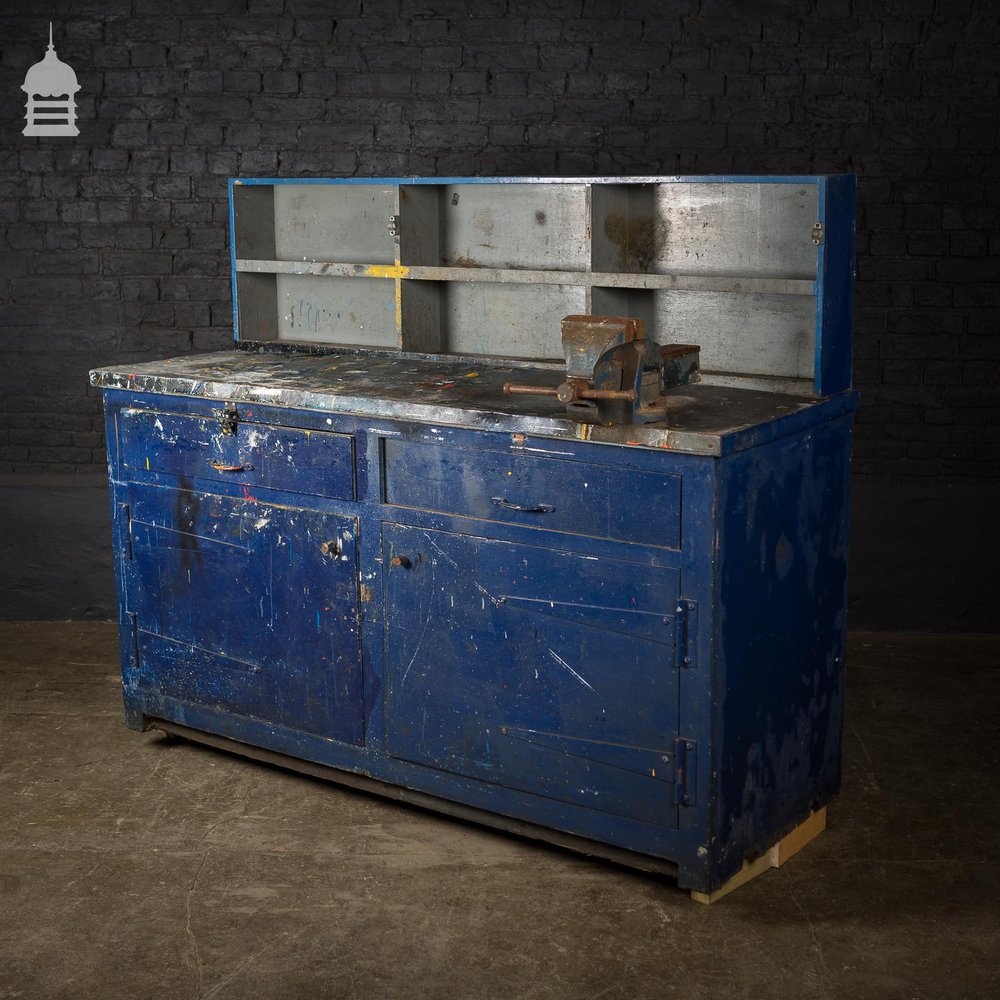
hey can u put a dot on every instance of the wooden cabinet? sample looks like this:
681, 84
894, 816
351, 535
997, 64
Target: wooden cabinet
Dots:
371, 564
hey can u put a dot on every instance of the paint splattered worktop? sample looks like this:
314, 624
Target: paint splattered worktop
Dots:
704, 419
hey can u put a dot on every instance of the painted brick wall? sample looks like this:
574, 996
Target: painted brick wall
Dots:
113, 244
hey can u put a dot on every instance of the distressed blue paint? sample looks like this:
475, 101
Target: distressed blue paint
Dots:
223, 608
526, 656
520, 662
254, 455
621, 831
781, 584
754, 435
625, 656
835, 292
605, 501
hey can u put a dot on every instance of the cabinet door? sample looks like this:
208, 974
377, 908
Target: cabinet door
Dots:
538, 669
239, 608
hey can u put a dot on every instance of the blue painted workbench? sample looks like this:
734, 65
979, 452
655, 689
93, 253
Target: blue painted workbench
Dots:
652, 668
343, 548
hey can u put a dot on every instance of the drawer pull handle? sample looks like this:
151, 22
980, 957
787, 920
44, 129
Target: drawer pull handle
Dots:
538, 508
219, 467
331, 548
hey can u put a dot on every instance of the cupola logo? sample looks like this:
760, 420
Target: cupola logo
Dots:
50, 86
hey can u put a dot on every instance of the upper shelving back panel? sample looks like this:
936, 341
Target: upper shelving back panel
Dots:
531, 226
757, 270
750, 230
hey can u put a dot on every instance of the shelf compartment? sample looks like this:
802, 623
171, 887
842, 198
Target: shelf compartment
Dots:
336, 311
736, 230
296, 222
514, 321
754, 334
507, 226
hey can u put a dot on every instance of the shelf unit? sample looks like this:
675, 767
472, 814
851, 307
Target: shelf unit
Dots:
750, 268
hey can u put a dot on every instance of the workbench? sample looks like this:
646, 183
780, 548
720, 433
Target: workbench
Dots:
368, 562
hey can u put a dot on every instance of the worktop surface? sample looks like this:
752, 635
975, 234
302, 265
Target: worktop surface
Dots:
702, 418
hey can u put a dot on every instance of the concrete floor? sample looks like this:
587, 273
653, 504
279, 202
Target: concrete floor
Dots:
141, 866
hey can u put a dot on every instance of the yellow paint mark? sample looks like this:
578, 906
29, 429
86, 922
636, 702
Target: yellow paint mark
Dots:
654, 772
387, 271
398, 272
472, 375
147, 463
308, 435
584, 432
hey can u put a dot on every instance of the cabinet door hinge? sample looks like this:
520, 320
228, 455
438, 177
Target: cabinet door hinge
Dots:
685, 771
126, 513
135, 637
685, 632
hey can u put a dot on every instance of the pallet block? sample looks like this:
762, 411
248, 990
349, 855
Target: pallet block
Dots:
785, 848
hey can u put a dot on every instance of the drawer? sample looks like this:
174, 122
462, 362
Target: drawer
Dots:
320, 463
602, 501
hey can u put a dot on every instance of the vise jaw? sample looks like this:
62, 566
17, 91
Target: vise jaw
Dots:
614, 375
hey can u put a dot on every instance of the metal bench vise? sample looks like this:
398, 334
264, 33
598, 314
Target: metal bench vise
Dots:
614, 375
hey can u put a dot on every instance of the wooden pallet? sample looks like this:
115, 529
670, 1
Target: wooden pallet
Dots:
807, 830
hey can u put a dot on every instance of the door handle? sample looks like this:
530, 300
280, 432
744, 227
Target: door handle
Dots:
538, 508
220, 467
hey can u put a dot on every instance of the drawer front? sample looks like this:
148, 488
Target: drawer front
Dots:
603, 501
281, 458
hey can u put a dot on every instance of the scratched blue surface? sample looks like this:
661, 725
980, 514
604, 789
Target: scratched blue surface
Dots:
224, 592
254, 455
415, 692
835, 286
524, 657
782, 599
541, 491
536, 668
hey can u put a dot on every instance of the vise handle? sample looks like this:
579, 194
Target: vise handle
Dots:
569, 391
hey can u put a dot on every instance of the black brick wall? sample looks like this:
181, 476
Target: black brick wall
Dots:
113, 245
